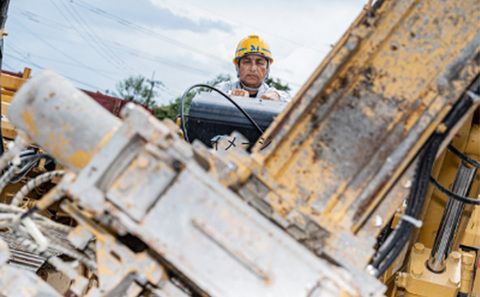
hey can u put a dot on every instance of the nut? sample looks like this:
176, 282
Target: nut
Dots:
467, 259
416, 271
419, 247
455, 256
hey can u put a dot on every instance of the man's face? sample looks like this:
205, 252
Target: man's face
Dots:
252, 70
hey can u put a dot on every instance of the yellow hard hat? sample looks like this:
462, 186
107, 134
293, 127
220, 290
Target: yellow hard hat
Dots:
253, 45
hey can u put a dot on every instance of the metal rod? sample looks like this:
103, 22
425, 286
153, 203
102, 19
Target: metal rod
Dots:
451, 218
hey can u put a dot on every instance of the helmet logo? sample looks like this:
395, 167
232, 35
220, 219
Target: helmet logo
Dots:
253, 48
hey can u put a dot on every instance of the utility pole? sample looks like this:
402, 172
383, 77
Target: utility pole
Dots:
152, 83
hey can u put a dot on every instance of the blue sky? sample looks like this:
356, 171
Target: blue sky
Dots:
98, 43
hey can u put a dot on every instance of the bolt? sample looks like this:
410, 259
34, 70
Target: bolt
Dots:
401, 279
371, 270
406, 183
416, 270
454, 280
126, 110
177, 165
419, 247
378, 221
455, 256
467, 259
441, 128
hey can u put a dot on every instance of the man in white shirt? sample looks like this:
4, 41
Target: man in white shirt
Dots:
252, 62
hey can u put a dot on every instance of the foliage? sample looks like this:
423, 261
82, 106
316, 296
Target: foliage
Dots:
136, 89
171, 111
277, 84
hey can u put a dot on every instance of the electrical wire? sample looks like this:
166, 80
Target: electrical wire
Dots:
138, 28
26, 59
256, 29
76, 63
90, 37
182, 116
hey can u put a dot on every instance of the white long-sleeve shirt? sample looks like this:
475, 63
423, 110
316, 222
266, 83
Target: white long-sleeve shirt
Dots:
228, 86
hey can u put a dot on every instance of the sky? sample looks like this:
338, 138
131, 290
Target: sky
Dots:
174, 43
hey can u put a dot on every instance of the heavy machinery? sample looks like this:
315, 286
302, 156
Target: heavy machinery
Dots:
340, 203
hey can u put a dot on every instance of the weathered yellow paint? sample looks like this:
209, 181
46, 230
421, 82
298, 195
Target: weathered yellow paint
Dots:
28, 118
446, 175
80, 159
105, 139
398, 60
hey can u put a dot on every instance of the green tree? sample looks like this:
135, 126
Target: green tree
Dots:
172, 110
277, 84
137, 89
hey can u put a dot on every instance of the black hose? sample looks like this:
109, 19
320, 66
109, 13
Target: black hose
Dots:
464, 157
182, 116
414, 207
28, 161
452, 194
36, 157
387, 254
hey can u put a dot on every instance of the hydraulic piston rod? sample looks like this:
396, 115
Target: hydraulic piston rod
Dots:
451, 218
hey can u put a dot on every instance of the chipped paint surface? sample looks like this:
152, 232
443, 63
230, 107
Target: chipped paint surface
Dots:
380, 102
80, 159
29, 120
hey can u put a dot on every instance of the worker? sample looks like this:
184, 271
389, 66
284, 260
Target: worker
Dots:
252, 62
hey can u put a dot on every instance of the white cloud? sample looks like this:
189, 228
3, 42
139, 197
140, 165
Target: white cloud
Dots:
299, 33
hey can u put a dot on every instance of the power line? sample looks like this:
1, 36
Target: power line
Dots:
39, 19
150, 57
131, 51
147, 31
142, 29
89, 36
231, 18
57, 49
26, 59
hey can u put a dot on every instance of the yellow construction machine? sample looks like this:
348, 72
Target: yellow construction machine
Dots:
368, 185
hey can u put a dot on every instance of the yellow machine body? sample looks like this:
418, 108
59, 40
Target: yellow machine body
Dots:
302, 216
